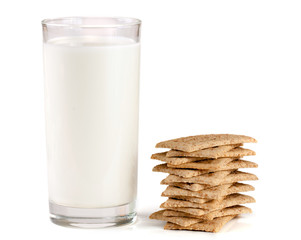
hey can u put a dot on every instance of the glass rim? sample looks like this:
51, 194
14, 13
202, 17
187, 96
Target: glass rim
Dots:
120, 22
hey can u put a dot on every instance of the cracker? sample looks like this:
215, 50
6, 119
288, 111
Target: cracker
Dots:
215, 178
226, 201
175, 203
239, 163
198, 200
212, 193
233, 152
195, 187
182, 221
234, 210
214, 225
193, 208
174, 160
179, 172
191, 186
192, 211
194, 143
203, 164
214, 152
213, 166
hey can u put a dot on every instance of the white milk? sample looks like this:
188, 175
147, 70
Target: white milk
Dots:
91, 91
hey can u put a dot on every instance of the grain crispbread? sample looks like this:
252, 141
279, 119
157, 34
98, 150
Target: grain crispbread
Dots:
212, 193
182, 221
194, 143
213, 152
212, 165
214, 225
234, 210
174, 160
195, 187
203, 164
192, 208
234, 152
214, 179
179, 172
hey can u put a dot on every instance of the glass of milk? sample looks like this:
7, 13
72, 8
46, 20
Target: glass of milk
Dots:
91, 68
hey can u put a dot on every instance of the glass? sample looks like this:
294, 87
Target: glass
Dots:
91, 73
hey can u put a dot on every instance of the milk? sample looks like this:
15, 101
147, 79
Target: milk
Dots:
91, 91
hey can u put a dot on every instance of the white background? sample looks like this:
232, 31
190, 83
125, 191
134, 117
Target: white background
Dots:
206, 67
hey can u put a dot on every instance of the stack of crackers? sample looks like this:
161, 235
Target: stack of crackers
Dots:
204, 182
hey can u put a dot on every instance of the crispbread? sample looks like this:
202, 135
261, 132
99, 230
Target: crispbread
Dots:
214, 225
198, 200
190, 172
191, 186
233, 152
179, 172
192, 208
203, 164
212, 193
195, 187
214, 179
239, 163
214, 166
214, 152
194, 143
214, 203
234, 210
174, 160
192, 211
182, 221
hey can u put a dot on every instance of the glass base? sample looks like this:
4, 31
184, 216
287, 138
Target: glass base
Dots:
92, 217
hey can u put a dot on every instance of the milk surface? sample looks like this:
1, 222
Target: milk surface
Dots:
91, 101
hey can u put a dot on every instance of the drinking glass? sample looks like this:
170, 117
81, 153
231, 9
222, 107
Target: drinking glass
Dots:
91, 75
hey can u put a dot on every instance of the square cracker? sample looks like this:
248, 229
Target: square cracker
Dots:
214, 179
234, 152
195, 187
212, 193
234, 210
187, 173
194, 143
179, 172
214, 225
203, 164
224, 201
213, 152
182, 221
199, 209
224, 164
174, 160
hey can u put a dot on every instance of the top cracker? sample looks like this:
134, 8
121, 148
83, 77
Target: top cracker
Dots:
198, 142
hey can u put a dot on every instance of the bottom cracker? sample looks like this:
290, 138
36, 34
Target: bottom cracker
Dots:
214, 225
234, 210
